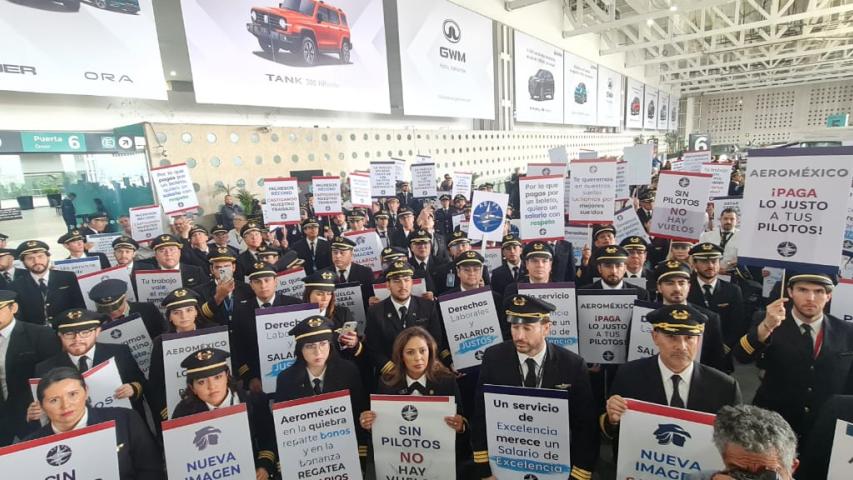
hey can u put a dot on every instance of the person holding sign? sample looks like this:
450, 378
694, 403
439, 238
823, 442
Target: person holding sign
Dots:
320, 289
76, 246
602, 236
45, 292
318, 369
381, 219
511, 268
610, 263
804, 352
167, 256
386, 319
110, 297
469, 269
346, 271
210, 386
726, 237
672, 377
635, 266
530, 361
405, 227
422, 258
313, 248
443, 219
78, 331
538, 262
63, 396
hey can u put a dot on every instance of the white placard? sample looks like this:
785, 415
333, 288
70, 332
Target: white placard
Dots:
538, 79
581, 90
794, 207
282, 201
347, 69
462, 184
639, 158
604, 317
403, 423
663, 112
842, 300
89, 280
634, 104
587, 154
174, 187
152, 286
471, 322
609, 98
558, 155
542, 204
69, 455
78, 266
176, 347
290, 282
146, 223
316, 437
275, 344
842, 451
651, 108
383, 179
327, 196
367, 250
494, 258
693, 161
349, 295
360, 192
770, 277
380, 290
102, 380
446, 58
103, 243
546, 169
578, 236
640, 344
536, 418
130, 331
722, 203
679, 210
847, 247
488, 214
564, 320
212, 444
423, 180
460, 223
623, 192
627, 224
400, 172
593, 191
125, 64
720, 175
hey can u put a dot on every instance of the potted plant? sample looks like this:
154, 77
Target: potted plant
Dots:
24, 196
247, 201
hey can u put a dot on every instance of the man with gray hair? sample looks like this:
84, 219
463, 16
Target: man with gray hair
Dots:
755, 444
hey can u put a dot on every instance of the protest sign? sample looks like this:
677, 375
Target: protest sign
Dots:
327, 196
677, 166
842, 451
275, 344
382, 179
359, 188
627, 224
368, 248
462, 184
399, 170
349, 295
679, 210
212, 444
603, 320
460, 223
721, 174
546, 169
176, 347
794, 207
34, 383
423, 180
152, 286
488, 214
722, 203
640, 343
316, 437
657, 441
527, 430
558, 155
578, 236
542, 207
102, 380
380, 290
693, 161
564, 320
130, 331
471, 323
842, 300
587, 154
493, 257
770, 277
146, 223
103, 243
78, 266
593, 191
847, 247
411, 439
622, 189
65, 456
89, 280
282, 201
289, 282
639, 158
174, 187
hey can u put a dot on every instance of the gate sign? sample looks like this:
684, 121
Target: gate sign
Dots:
327, 196
699, 141
282, 201
175, 190
275, 344
66, 455
679, 211
657, 441
604, 317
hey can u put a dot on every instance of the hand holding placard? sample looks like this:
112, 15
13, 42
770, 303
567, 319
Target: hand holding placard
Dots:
773, 317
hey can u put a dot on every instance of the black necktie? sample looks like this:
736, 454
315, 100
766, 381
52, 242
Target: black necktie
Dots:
342, 277
724, 239
709, 294
311, 247
423, 266
530, 378
43, 287
676, 400
515, 273
317, 389
266, 305
807, 339
7, 277
403, 312
82, 365
417, 387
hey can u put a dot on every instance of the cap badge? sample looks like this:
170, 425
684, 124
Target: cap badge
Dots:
180, 293
75, 314
260, 265
315, 322
32, 243
538, 246
327, 275
610, 249
204, 355
399, 264
635, 240
707, 247
680, 314
164, 238
519, 301
673, 264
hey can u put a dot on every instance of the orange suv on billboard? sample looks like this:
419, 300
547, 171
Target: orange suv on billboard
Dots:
305, 28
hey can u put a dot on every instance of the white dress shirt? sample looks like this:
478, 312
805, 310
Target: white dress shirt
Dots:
683, 386
605, 286
81, 424
539, 358
5, 335
816, 325
311, 378
410, 381
90, 358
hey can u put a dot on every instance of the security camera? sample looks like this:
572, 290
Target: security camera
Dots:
265, 129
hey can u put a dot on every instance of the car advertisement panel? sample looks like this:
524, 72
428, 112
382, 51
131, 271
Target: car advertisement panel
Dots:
446, 60
634, 104
294, 53
609, 93
673, 112
104, 47
581, 95
651, 107
663, 114
538, 81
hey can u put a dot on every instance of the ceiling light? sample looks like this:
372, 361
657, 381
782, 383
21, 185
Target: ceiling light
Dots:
650, 22
173, 73
673, 8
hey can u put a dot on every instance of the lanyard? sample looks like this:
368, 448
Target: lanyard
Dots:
818, 343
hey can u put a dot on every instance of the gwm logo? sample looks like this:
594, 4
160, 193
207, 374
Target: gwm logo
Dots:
451, 30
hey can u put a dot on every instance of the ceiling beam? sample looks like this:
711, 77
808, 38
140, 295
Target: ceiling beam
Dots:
681, 6
511, 5
813, 74
760, 59
775, 83
698, 78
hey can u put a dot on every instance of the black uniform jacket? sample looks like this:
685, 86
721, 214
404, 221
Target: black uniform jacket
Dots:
63, 292
361, 275
322, 257
814, 458
191, 275
727, 302
151, 317
245, 336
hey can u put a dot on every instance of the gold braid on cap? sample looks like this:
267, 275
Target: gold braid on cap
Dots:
697, 329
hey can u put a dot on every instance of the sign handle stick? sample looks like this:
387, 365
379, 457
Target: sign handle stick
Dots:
483, 246
782, 285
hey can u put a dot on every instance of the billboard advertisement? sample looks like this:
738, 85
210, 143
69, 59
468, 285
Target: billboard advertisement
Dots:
609, 93
663, 114
651, 108
581, 95
446, 60
673, 112
634, 104
538, 80
293, 54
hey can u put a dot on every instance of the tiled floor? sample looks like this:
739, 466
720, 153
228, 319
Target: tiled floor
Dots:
42, 223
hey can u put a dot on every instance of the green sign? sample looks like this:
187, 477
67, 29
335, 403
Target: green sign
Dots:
34, 142
837, 120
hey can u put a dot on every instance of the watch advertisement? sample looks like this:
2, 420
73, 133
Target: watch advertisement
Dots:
609, 93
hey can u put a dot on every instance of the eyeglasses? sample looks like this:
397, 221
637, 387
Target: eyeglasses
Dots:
319, 346
81, 333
